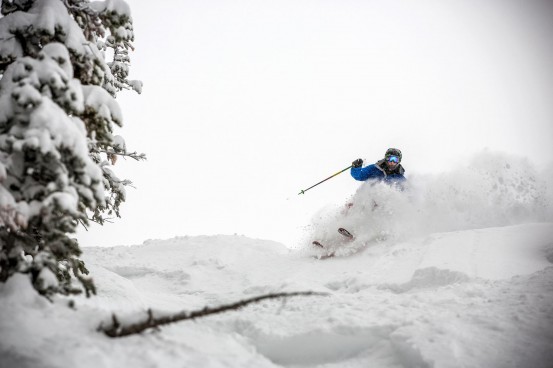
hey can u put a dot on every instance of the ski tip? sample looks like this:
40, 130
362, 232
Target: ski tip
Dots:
345, 233
317, 244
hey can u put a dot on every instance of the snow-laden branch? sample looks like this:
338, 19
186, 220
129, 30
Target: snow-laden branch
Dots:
116, 329
57, 103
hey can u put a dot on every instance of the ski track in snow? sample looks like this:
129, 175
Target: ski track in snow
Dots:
475, 298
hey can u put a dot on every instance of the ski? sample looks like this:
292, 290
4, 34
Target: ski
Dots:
346, 233
317, 244
349, 237
322, 256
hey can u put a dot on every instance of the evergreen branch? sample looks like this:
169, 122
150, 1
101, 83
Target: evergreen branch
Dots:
118, 330
135, 155
83, 224
109, 220
128, 45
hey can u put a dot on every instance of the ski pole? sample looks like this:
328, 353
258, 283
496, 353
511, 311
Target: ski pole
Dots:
330, 177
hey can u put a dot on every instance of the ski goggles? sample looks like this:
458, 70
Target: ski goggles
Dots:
393, 159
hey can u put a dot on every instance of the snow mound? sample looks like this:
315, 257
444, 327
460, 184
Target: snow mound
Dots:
431, 277
326, 346
475, 298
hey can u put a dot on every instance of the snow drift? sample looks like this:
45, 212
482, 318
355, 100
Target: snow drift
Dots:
468, 298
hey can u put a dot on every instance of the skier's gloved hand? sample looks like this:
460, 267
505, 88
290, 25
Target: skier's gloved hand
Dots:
357, 163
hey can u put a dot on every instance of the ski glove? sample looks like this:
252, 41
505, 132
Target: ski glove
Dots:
357, 163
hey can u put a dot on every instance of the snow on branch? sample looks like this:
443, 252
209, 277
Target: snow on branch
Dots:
57, 115
116, 329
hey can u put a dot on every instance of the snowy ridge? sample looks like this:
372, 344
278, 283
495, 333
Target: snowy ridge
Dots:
467, 298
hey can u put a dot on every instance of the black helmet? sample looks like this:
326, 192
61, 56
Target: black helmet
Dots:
393, 152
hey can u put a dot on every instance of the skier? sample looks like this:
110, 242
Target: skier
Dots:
388, 169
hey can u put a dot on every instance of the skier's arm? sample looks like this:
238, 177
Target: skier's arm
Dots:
359, 173
365, 173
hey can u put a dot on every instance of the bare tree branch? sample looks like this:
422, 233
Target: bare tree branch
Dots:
118, 330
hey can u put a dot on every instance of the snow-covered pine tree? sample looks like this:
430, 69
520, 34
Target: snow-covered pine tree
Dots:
57, 114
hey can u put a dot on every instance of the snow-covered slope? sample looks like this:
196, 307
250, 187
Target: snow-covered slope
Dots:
472, 298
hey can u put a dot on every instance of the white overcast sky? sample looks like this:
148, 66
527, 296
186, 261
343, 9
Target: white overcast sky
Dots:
245, 103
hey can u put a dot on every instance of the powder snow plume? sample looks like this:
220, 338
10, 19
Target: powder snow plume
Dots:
499, 190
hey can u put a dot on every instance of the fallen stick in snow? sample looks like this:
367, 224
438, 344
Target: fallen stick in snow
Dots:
116, 329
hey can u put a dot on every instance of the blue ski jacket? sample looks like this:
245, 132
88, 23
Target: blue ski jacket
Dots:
378, 172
